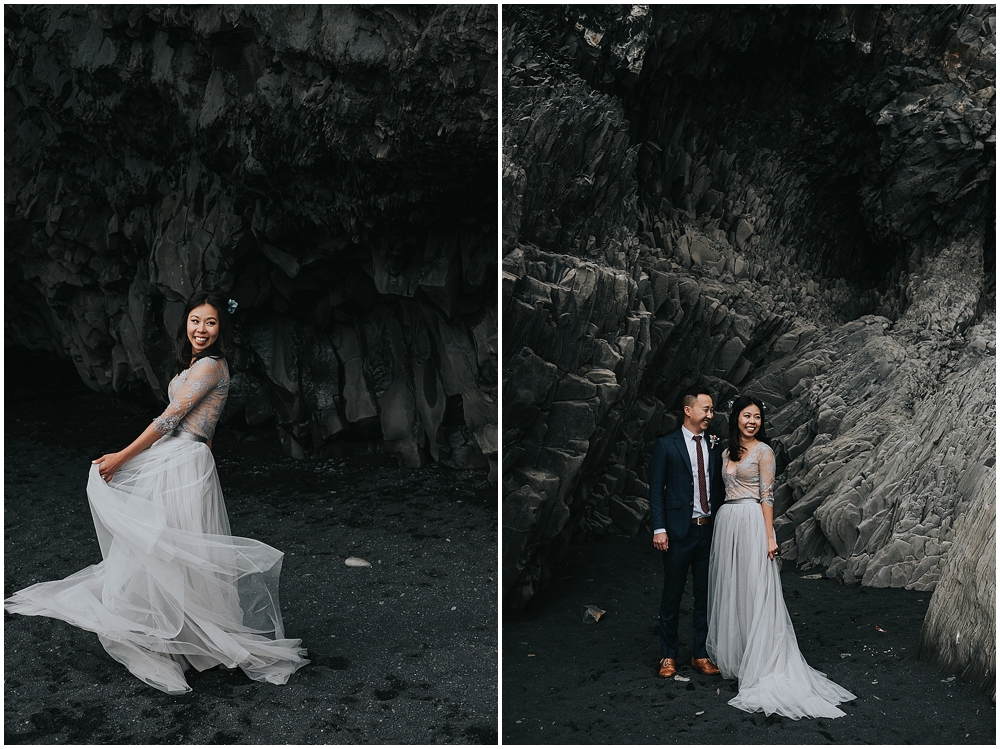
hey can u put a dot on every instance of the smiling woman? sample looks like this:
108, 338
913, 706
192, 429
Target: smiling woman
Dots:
175, 589
202, 328
203, 331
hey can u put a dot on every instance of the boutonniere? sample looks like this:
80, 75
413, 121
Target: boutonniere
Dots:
713, 441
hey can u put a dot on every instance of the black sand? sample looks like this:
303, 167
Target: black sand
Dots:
402, 652
567, 682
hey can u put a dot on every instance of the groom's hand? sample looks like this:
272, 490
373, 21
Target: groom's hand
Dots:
660, 541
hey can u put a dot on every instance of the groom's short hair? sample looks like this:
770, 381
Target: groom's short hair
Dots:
691, 396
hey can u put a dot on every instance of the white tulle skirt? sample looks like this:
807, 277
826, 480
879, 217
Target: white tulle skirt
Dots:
750, 635
175, 589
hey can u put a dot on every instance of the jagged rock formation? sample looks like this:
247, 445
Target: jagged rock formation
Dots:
952, 638
796, 202
331, 167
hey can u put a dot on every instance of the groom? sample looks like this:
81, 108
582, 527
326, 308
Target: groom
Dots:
685, 491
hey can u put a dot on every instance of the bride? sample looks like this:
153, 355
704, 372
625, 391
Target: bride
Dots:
175, 589
750, 635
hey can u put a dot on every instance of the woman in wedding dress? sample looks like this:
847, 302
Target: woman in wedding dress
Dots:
750, 635
175, 589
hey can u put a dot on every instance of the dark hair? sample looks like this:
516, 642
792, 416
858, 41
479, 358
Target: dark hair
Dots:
735, 446
222, 343
691, 395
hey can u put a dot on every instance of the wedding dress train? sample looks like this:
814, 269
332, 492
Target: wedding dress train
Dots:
750, 635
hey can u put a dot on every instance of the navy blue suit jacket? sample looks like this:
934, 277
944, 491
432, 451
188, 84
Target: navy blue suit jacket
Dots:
671, 484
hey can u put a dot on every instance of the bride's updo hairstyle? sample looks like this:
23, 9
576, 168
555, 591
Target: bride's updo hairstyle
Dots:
735, 446
222, 344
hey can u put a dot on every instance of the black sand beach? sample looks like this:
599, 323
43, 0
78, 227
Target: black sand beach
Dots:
402, 652
569, 682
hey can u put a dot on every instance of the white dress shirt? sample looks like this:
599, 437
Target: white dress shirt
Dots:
692, 446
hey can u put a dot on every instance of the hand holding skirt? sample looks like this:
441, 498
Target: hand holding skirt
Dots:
174, 588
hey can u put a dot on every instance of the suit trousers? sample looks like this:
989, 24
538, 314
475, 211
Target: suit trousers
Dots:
691, 552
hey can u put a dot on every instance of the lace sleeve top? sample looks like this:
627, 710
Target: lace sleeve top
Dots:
752, 477
197, 396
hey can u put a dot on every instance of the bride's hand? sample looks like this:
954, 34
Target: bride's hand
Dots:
108, 465
772, 548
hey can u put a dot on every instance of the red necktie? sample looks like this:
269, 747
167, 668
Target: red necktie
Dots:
702, 487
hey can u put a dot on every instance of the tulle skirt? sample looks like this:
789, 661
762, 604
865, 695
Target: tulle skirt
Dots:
750, 635
175, 589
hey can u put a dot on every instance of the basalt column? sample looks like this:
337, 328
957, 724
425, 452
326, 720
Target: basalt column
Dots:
795, 202
331, 168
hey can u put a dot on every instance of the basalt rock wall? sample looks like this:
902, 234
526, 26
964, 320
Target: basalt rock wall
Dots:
331, 168
793, 202
950, 638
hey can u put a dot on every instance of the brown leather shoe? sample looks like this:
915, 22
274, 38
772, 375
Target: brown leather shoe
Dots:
704, 666
667, 668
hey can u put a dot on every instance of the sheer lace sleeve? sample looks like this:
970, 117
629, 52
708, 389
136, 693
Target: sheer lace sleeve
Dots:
201, 378
767, 471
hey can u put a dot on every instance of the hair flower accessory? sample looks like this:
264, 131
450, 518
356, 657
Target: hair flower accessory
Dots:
232, 306
713, 441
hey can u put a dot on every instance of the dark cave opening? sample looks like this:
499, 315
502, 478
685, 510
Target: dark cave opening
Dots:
837, 241
780, 111
785, 96
228, 45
